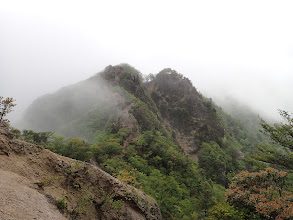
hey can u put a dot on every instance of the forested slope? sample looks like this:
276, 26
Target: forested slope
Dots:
160, 135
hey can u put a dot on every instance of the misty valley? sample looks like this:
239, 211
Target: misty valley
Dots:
120, 145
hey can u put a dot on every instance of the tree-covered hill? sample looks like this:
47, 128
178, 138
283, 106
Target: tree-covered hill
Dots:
159, 134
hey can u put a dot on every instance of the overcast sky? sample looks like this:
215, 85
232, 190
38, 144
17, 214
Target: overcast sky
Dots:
241, 49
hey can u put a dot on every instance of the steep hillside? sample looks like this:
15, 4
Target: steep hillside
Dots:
35, 182
192, 118
248, 117
159, 135
61, 111
88, 108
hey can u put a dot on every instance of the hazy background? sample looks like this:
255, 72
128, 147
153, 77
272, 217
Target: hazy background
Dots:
237, 49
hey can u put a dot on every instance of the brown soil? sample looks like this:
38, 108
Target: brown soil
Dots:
32, 179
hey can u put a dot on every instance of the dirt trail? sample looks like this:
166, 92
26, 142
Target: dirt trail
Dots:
18, 201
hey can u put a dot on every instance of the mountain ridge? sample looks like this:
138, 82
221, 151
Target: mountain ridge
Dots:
150, 132
130, 80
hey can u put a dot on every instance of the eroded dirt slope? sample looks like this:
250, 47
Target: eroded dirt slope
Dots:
33, 180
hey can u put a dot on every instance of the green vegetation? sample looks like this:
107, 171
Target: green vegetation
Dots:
281, 134
130, 80
48, 180
224, 211
36, 137
146, 153
61, 203
154, 164
238, 135
85, 201
108, 202
6, 106
184, 108
216, 162
262, 194
267, 194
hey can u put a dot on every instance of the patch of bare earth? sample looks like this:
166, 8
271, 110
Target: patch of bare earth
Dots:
18, 201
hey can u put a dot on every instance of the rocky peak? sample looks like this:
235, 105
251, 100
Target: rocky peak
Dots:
119, 74
191, 116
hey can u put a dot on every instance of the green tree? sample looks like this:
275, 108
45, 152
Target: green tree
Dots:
36, 137
224, 211
6, 106
282, 135
215, 162
56, 144
16, 132
77, 149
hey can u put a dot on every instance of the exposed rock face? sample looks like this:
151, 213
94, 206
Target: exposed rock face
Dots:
33, 179
19, 201
182, 108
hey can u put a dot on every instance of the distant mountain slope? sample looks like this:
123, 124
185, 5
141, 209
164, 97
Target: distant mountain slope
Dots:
86, 108
59, 110
247, 116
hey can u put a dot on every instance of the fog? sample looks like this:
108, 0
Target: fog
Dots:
69, 110
229, 49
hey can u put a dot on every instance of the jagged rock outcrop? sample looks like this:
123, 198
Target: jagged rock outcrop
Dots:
190, 117
35, 181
